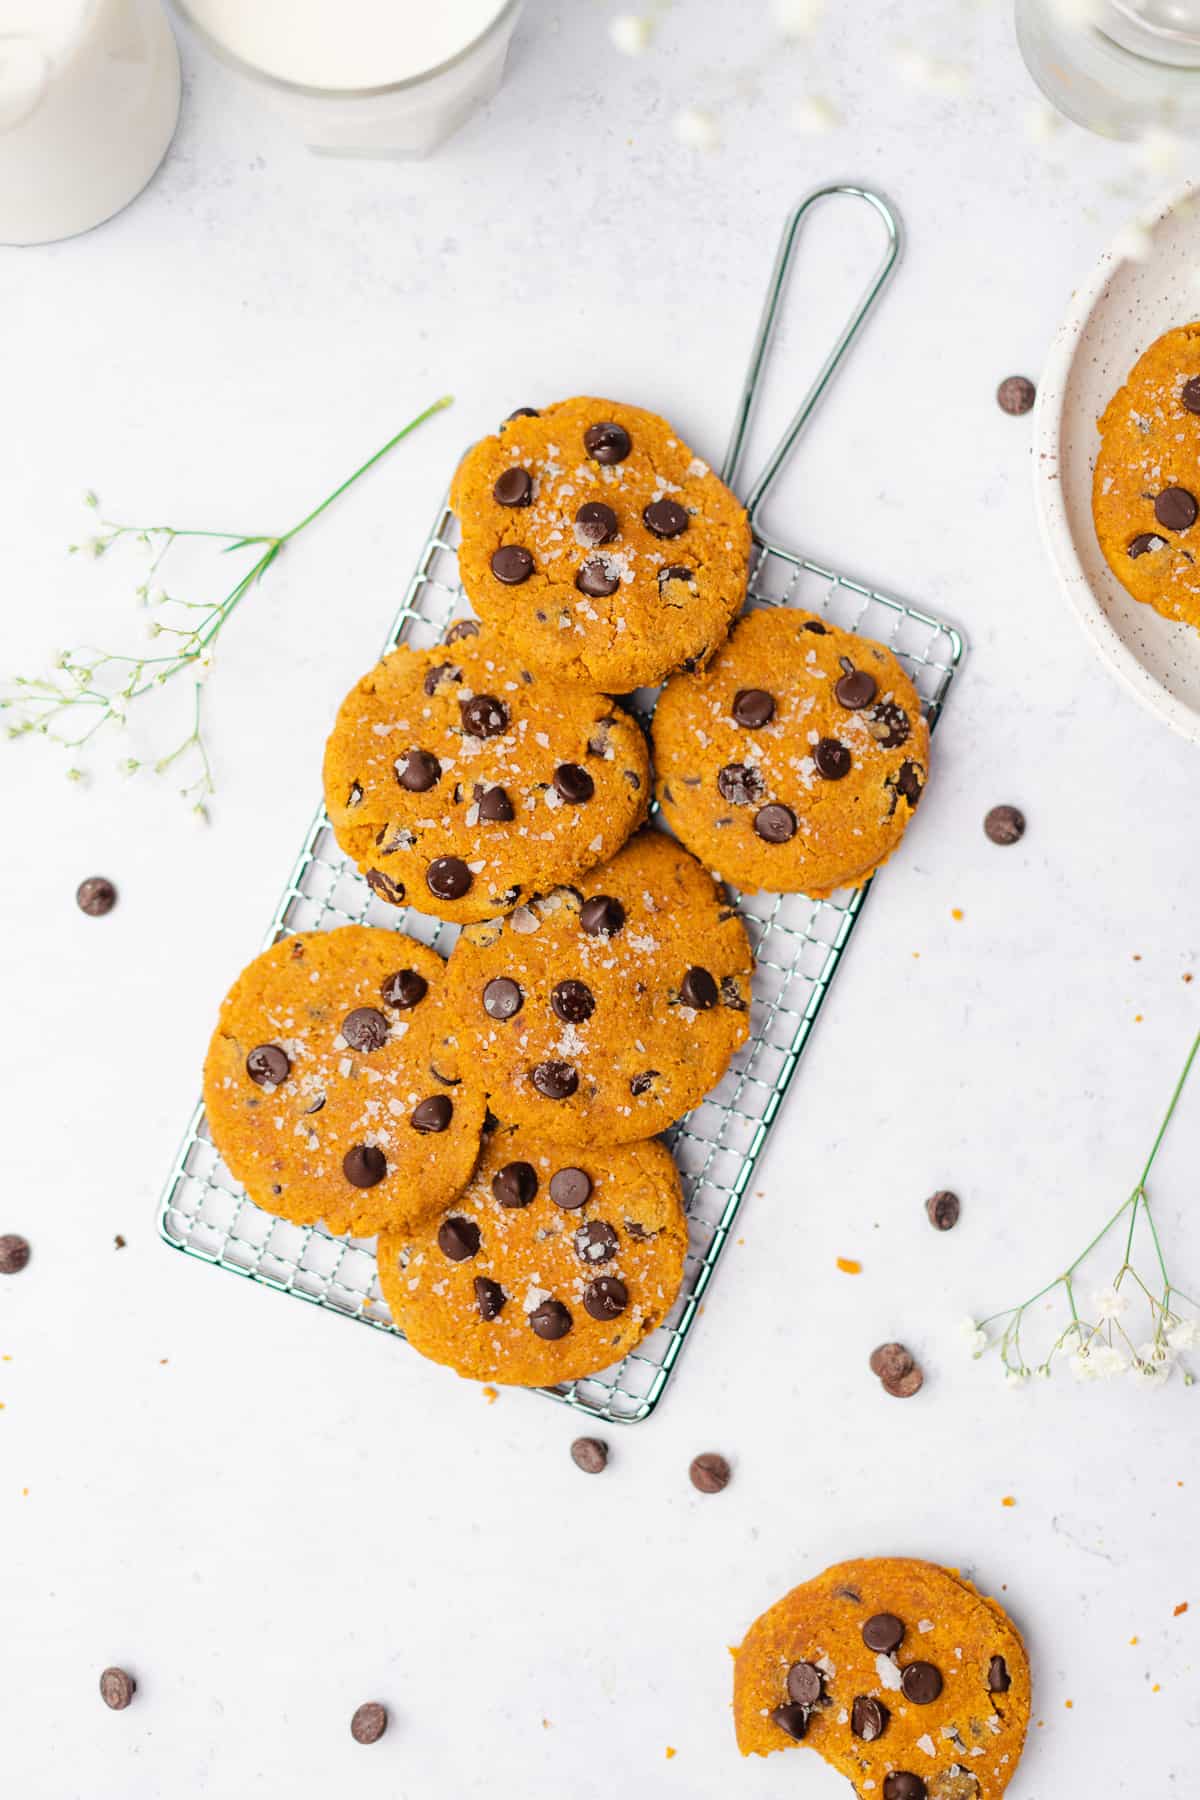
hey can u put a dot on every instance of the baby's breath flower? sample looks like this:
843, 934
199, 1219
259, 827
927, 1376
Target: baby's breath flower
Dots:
78, 776
129, 765
1110, 1303
975, 1339
1184, 1334
1107, 1361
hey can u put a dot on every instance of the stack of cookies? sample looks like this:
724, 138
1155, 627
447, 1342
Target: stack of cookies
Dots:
493, 1116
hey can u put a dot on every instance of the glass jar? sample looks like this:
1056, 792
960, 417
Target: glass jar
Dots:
1119, 67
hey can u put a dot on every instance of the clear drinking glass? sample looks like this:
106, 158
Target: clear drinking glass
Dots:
1119, 67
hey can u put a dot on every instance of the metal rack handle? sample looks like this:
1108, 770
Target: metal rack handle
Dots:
766, 331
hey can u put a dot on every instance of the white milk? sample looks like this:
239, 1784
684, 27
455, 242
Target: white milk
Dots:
344, 44
89, 96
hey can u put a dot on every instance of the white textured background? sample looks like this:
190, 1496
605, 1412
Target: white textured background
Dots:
268, 1516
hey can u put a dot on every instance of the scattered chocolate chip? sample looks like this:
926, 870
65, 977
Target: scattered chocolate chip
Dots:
903, 1387
1016, 394
709, 1472
665, 518
675, 572
573, 784
14, 1253
573, 1002
590, 1455
597, 578
117, 1689
816, 627
753, 708
892, 1360
513, 488
489, 1297
267, 1065
365, 1029
418, 771
889, 725
607, 443
555, 1080
909, 782
805, 1683
740, 784
775, 824
364, 1166
883, 1633
502, 998
515, 1184
641, 1084
383, 885
96, 896
118, 1244
404, 990
570, 1188
1145, 541
462, 628
998, 1678
601, 916
433, 1114
439, 674
605, 1298
369, 1722
855, 689
512, 564
458, 1238
902, 1785
1175, 508
448, 877
550, 1320
698, 990
792, 1719
495, 807
596, 523
638, 1232
483, 716
851, 1594
1005, 824
943, 1209
868, 1718
596, 1242
832, 759
921, 1682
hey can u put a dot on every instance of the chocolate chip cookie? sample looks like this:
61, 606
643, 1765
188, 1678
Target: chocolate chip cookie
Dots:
900, 1674
552, 1265
602, 547
1146, 485
331, 1089
601, 1012
459, 781
795, 761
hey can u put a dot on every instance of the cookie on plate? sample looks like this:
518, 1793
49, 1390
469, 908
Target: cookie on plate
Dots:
601, 546
330, 1086
1146, 485
460, 781
602, 1012
551, 1266
795, 761
899, 1673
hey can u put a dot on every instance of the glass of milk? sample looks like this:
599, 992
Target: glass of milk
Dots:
364, 77
89, 97
1120, 67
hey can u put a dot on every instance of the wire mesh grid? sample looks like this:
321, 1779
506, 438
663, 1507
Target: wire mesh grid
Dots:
797, 942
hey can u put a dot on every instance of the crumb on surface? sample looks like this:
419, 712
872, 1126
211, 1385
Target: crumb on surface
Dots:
118, 1242
1134, 1639
1181, 1608
849, 1265
1188, 976
1068, 1704
1009, 1500
670, 1751
1137, 1018
1157, 1688
491, 1395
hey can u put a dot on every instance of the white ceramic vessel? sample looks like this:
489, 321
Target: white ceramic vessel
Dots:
89, 98
364, 77
1125, 304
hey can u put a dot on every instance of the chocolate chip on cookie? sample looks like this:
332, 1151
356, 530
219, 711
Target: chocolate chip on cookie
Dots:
513, 488
854, 688
1175, 508
868, 1718
433, 1114
921, 1682
665, 518
883, 1633
753, 708
607, 443
512, 564
573, 1001
740, 784
502, 998
267, 1065
364, 1165
601, 916
515, 1184
551, 1320
775, 824
570, 1188
573, 784
596, 523
404, 989
366, 1029
448, 878
790, 1718
832, 759
554, 1080
458, 1239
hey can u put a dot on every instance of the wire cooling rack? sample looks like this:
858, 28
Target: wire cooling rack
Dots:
798, 944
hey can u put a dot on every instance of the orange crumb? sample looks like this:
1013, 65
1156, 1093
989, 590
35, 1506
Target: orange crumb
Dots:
490, 1394
545, 1724
670, 1751
5, 1358
1187, 978
1134, 1640
1041, 1723
956, 912
1068, 1704
1157, 1688
1136, 957
1137, 1018
916, 956
24, 1493
849, 1266
162, 1360
1179, 1484
1181, 1608
1009, 1500
741, 1240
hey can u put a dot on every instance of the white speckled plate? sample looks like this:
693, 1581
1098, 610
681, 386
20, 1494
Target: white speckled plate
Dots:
1113, 318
